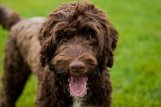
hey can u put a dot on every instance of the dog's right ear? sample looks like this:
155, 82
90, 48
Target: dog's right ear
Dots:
47, 41
50, 30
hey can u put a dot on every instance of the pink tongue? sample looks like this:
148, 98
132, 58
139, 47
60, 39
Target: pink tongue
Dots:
77, 86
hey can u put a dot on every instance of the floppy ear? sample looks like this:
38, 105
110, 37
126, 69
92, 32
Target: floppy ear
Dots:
49, 32
111, 38
47, 41
47, 37
106, 34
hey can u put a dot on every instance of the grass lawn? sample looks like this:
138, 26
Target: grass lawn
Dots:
137, 68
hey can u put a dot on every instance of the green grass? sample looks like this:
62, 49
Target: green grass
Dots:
136, 72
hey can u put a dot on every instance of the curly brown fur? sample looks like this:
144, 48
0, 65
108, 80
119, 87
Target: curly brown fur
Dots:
76, 42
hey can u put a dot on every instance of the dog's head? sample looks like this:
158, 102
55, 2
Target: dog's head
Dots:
77, 40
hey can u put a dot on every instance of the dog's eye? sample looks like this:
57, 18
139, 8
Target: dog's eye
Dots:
52, 67
63, 41
89, 37
93, 42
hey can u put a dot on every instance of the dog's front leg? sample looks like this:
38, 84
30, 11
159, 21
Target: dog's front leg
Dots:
51, 93
46, 96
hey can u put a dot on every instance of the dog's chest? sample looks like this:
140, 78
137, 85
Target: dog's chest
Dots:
77, 103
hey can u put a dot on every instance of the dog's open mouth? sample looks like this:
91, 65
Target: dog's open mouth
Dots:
77, 86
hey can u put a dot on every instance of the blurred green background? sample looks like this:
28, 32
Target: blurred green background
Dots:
136, 74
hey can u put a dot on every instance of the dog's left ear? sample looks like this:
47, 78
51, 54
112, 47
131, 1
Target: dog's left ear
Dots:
111, 38
106, 34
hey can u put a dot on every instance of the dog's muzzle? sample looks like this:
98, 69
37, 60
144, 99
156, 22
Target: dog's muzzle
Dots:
77, 82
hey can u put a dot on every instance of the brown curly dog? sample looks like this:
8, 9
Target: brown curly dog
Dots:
70, 52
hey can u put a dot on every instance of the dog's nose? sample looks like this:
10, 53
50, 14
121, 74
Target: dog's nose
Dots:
77, 66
